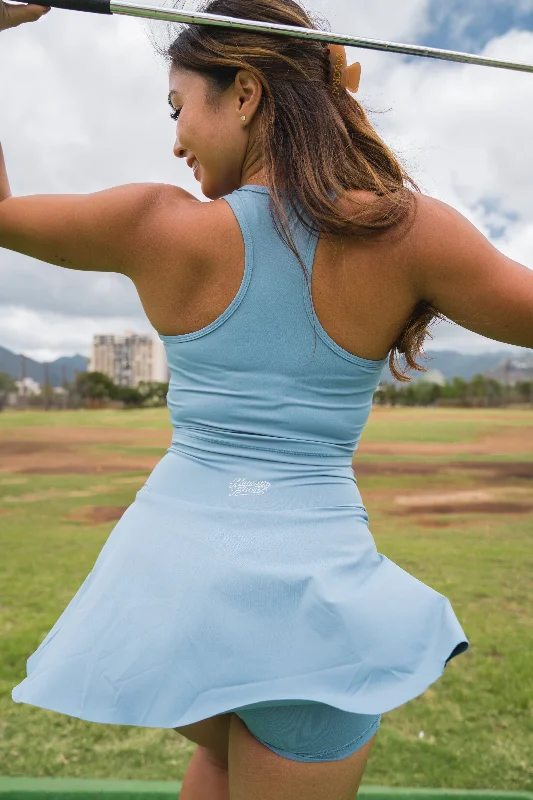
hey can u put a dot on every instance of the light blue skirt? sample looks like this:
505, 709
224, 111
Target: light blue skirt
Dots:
235, 580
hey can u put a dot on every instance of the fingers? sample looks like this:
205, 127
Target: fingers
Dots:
17, 14
33, 12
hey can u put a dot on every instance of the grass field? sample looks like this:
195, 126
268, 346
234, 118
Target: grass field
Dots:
450, 498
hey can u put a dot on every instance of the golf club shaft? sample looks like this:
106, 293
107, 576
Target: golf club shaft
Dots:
202, 18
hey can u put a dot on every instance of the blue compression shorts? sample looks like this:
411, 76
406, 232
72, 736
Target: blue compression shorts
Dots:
308, 731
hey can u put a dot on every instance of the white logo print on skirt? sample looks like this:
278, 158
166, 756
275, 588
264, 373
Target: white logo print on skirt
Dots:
242, 486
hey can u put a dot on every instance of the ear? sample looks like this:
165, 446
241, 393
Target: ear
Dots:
249, 90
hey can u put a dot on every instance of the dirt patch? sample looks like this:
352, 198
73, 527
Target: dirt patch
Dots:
48, 454
518, 469
60, 450
494, 654
424, 500
433, 523
495, 471
77, 468
54, 494
502, 442
396, 468
470, 508
22, 447
87, 435
96, 515
73, 461
496, 501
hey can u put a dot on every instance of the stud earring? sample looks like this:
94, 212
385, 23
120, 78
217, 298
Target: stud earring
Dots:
243, 119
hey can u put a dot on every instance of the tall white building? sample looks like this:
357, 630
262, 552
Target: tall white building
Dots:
27, 386
129, 358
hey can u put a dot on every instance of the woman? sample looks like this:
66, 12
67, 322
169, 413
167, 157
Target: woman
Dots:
240, 599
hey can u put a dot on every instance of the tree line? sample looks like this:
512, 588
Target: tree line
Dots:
96, 390
480, 391
87, 390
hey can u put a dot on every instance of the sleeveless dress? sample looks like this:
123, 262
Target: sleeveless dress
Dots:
245, 570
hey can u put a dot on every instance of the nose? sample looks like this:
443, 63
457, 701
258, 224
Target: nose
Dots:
179, 152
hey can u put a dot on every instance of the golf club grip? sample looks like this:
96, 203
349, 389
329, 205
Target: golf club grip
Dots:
93, 6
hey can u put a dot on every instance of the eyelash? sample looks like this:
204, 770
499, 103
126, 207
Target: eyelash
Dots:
176, 112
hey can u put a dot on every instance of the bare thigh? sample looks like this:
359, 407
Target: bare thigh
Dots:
257, 773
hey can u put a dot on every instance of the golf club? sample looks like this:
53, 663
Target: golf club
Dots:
202, 18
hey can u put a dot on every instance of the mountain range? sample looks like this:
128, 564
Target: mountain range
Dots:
62, 369
501, 365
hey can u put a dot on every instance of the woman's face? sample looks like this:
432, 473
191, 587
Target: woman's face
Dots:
217, 139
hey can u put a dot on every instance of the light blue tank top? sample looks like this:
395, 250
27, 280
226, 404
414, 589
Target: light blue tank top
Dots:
258, 378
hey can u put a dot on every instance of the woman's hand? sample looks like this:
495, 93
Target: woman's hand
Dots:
14, 14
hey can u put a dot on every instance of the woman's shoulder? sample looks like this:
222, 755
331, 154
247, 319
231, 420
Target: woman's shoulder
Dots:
356, 199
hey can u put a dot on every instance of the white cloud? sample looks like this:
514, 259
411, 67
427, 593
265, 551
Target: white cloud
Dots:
463, 127
385, 19
85, 109
44, 286
45, 335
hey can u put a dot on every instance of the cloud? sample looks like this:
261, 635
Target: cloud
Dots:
378, 20
85, 108
470, 27
45, 287
463, 127
45, 335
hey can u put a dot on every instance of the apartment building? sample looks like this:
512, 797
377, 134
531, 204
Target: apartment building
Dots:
129, 358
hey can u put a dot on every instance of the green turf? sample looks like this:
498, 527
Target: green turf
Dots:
417, 424
141, 419
454, 425
477, 719
87, 789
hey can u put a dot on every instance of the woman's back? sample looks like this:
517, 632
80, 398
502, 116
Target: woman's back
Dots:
363, 292
264, 373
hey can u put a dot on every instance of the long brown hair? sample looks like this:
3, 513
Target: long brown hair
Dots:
302, 123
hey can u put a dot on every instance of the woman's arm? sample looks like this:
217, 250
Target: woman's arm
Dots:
108, 231
458, 271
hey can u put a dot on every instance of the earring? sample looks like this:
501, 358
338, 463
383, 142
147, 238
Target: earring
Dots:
243, 119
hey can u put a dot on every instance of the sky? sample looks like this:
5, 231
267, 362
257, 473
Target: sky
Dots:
84, 108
